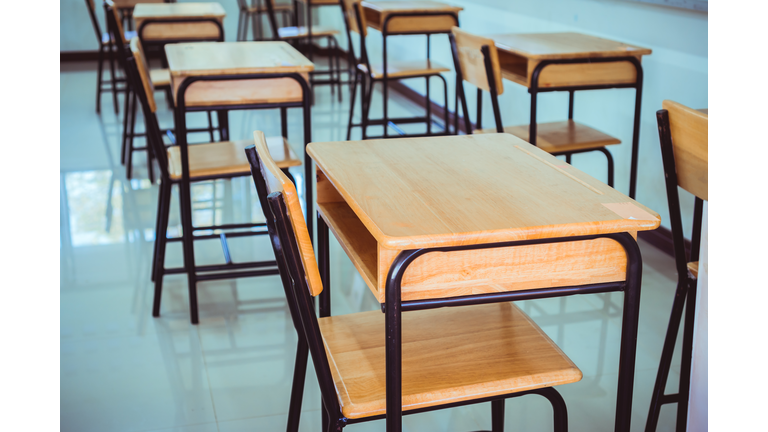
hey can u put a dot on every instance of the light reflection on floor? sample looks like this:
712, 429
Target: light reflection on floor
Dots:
122, 370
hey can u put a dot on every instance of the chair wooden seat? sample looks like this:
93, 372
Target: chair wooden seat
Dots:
561, 137
402, 69
228, 157
693, 268
449, 355
302, 32
160, 77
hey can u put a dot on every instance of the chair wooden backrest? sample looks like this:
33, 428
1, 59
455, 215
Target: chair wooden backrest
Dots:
276, 181
683, 139
143, 67
116, 26
140, 83
689, 132
351, 9
472, 60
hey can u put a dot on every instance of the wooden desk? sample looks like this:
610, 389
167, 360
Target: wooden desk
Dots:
222, 76
510, 221
197, 21
545, 62
413, 17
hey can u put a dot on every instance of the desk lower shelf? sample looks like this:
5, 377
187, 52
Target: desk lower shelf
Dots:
461, 273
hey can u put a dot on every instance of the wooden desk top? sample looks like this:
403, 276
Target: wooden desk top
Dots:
321, 2
459, 190
409, 6
232, 58
540, 46
178, 10
127, 4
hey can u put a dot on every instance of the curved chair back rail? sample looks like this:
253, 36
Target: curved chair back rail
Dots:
472, 60
689, 131
276, 181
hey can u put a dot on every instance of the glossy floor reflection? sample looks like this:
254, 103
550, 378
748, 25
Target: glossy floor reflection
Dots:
122, 370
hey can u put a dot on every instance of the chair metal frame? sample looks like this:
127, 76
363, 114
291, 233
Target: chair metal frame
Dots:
333, 46
497, 111
112, 86
685, 293
195, 272
248, 12
369, 81
310, 339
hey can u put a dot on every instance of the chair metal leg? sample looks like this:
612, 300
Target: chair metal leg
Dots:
297, 389
161, 228
99, 79
189, 250
124, 149
352, 105
240, 26
131, 116
429, 108
113, 78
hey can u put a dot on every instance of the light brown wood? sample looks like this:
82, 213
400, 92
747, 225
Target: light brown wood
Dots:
540, 46
302, 32
144, 72
693, 268
559, 137
321, 2
376, 13
237, 58
472, 60
277, 181
689, 129
130, 4
233, 58
227, 157
160, 77
519, 54
119, 23
426, 192
241, 92
403, 69
448, 355
180, 12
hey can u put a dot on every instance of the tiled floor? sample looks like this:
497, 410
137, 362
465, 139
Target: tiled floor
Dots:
122, 370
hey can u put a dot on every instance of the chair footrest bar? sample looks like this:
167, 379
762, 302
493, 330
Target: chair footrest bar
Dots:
230, 226
254, 273
222, 267
215, 236
670, 398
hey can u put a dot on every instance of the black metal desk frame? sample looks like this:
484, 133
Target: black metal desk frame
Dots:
394, 306
366, 96
534, 90
214, 272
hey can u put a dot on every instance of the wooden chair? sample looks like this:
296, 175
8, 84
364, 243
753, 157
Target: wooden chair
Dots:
253, 13
477, 62
368, 74
294, 34
106, 44
161, 81
684, 144
210, 161
451, 356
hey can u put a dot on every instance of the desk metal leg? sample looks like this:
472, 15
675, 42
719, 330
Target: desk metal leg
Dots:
394, 354
186, 211
636, 133
628, 332
324, 259
308, 172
